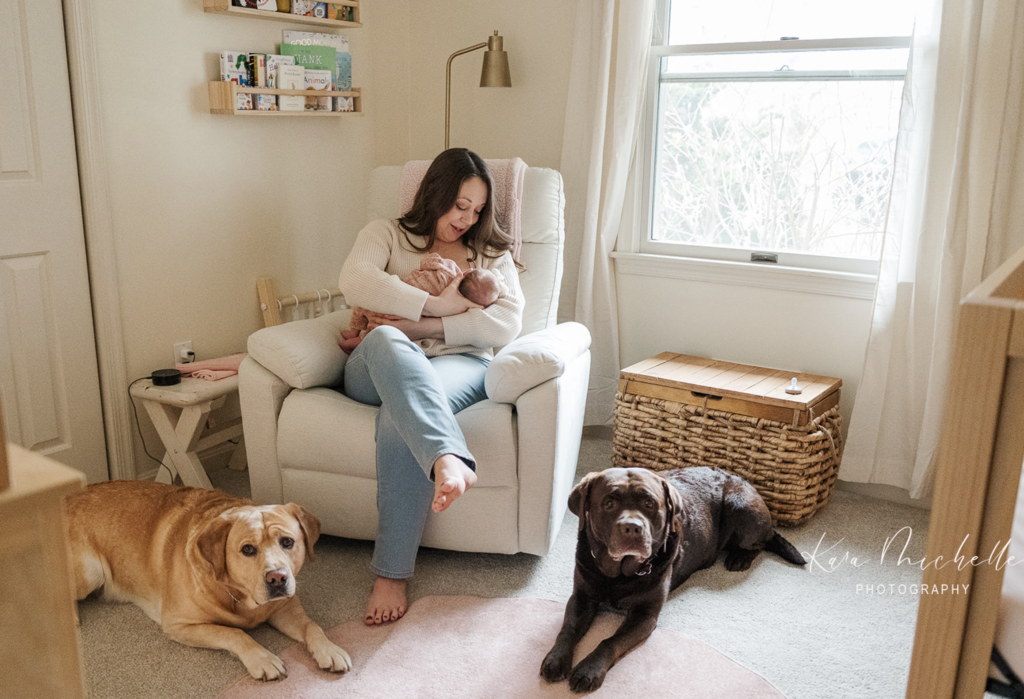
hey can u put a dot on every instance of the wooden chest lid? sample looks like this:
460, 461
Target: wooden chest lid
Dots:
702, 375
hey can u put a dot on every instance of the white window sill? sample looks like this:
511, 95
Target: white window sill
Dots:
766, 276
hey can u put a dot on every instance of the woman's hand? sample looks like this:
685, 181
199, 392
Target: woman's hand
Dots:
422, 329
449, 302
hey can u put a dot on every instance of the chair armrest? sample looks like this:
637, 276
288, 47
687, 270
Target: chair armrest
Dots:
261, 393
533, 359
304, 353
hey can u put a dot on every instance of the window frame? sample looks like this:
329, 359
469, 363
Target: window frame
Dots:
645, 163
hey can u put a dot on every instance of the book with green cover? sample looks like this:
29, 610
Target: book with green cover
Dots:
313, 57
343, 75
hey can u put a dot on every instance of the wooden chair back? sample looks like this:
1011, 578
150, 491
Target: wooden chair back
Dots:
272, 305
977, 474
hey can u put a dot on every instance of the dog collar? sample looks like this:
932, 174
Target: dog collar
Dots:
228, 590
646, 566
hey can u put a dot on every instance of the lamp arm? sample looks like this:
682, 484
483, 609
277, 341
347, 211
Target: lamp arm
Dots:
448, 87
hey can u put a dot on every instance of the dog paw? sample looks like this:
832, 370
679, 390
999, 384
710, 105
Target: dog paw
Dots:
738, 560
264, 665
332, 658
587, 676
556, 665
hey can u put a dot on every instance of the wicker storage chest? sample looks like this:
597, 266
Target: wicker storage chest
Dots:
676, 410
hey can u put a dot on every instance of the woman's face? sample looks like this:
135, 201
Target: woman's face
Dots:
468, 205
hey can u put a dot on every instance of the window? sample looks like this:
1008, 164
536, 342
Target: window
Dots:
773, 129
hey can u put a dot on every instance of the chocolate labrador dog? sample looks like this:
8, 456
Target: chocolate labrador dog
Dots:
641, 535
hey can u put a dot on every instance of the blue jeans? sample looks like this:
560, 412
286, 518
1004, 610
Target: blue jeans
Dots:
418, 399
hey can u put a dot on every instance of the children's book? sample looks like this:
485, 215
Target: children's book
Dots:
346, 13
343, 57
250, 69
233, 68
273, 61
243, 100
338, 41
309, 8
313, 57
259, 69
270, 5
244, 3
265, 103
291, 77
343, 78
318, 80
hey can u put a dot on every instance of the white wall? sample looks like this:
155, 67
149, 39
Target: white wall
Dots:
525, 120
202, 204
811, 333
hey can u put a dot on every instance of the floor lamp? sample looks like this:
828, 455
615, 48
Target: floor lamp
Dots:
494, 74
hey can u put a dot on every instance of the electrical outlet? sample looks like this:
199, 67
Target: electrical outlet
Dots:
183, 352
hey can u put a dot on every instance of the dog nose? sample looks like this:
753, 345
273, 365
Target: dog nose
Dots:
631, 526
277, 578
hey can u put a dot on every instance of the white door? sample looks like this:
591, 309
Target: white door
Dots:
49, 381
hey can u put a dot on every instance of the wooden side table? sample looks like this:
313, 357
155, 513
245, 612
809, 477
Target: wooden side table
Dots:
38, 619
180, 414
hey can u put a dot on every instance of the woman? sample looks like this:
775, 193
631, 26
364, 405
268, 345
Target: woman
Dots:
429, 365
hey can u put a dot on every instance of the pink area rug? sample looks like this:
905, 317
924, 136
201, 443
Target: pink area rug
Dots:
449, 647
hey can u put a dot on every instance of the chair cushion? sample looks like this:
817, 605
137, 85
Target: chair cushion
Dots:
543, 206
533, 359
305, 353
320, 429
543, 239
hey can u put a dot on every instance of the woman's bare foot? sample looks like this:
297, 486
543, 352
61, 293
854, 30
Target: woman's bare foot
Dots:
387, 601
452, 478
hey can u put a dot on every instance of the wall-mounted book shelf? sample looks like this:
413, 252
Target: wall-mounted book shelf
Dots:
224, 7
223, 100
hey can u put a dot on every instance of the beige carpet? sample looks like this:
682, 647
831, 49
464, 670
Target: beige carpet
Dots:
451, 647
812, 634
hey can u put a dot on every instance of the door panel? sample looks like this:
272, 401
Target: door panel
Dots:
48, 373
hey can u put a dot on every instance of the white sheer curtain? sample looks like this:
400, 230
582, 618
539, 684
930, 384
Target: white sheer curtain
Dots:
606, 88
958, 183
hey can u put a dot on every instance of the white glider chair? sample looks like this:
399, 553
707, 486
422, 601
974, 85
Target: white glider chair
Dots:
307, 442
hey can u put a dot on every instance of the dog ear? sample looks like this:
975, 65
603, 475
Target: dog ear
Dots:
579, 498
211, 545
673, 507
310, 526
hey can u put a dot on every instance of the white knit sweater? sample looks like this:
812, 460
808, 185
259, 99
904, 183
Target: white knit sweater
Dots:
372, 278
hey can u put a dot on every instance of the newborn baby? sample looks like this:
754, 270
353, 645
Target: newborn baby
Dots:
481, 286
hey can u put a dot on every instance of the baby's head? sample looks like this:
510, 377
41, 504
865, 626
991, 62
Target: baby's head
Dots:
480, 286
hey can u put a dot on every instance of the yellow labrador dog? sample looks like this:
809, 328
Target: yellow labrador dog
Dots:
202, 564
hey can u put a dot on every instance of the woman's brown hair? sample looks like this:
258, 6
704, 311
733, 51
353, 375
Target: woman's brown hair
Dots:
436, 196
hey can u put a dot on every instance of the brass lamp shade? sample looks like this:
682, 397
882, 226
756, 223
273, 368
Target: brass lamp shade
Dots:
495, 73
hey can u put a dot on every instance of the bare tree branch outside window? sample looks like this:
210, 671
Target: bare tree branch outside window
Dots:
788, 166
